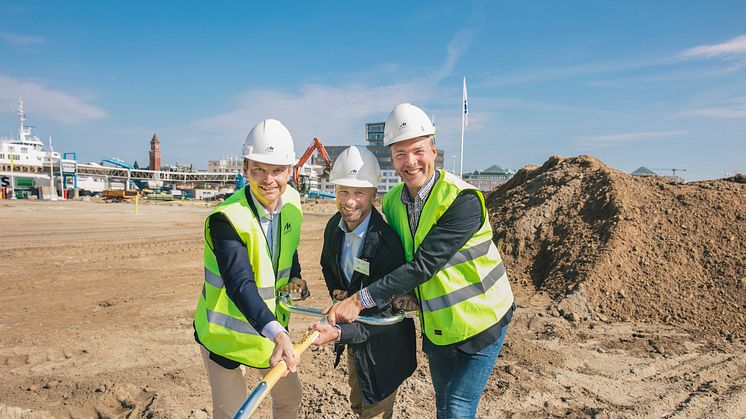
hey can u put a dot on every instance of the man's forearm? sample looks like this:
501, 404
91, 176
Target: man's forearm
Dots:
451, 232
385, 290
240, 285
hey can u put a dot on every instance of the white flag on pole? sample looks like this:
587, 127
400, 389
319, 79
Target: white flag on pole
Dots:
466, 105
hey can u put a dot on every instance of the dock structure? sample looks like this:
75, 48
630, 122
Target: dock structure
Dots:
144, 174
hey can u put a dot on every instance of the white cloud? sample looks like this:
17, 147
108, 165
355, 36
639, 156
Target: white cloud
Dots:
610, 139
456, 49
734, 109
728, 49
532, 105
42, 101
719, 113
531, 75
18, 39
335, 114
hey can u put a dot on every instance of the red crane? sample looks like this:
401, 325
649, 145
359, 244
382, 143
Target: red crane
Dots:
315, 146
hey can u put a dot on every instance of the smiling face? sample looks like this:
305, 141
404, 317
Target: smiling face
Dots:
267, 181
354, 204
414, 161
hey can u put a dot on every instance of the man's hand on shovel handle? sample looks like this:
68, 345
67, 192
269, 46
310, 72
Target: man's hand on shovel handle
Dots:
284, 351
345, 311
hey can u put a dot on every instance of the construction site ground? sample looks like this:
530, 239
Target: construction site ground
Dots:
96, 308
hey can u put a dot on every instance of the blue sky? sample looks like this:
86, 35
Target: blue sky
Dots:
654, 83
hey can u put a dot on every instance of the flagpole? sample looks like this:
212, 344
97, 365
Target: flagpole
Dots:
463, 116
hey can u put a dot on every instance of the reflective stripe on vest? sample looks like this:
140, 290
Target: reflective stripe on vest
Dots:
232, 323
471, 292
220, 325
264, 292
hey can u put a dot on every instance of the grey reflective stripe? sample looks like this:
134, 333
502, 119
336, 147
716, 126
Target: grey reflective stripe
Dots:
212, 279
463, 294
267, 292
217, 282
230, 323
465, 255
285, 273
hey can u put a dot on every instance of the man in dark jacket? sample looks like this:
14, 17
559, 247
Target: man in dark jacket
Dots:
359, 247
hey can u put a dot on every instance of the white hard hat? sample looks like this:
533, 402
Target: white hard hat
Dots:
356, 167
405, 122
270, 142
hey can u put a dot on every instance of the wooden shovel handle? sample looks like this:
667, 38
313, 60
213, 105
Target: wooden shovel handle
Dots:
273, 376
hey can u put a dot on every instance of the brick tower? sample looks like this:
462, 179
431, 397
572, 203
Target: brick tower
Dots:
155, 154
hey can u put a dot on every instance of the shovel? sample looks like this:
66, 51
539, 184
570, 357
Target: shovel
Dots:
287, 303
273, 376
263, 388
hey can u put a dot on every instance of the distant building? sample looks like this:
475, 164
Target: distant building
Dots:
313, 170
155, 153
489, 178
179, 168
226, 165
645, 172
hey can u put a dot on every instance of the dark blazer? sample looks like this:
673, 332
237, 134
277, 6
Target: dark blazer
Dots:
384, 355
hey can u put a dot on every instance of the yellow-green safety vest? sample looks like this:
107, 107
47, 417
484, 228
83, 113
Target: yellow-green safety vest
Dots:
220, 326
471, 292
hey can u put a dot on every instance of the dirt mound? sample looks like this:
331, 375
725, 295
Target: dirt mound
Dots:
612, 246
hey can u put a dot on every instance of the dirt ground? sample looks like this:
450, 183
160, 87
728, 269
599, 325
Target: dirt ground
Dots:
96, 306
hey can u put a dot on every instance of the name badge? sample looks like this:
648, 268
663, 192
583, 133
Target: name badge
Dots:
362, 266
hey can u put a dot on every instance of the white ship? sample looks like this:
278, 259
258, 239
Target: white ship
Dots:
24, 154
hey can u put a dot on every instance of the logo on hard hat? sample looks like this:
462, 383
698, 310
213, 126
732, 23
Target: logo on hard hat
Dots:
353, 171
269, 149
403, 125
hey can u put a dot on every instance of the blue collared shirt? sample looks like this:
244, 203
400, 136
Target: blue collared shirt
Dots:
269, 223
352, 246
414, 207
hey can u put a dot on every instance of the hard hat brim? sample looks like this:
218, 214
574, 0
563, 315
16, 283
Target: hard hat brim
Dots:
405, 137
353, 183
270, 159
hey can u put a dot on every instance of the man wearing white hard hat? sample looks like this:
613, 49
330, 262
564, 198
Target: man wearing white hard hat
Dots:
250, 253
359, 248
453, 265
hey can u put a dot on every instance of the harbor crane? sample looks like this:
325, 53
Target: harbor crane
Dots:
301, 182
673, 171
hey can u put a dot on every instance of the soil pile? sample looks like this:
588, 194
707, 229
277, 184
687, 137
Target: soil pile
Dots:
607, 245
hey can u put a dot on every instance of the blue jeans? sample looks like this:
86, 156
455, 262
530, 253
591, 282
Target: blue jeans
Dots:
459, 378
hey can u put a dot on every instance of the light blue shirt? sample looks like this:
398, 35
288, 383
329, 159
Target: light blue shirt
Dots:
269, 226
352, 246
269, 223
